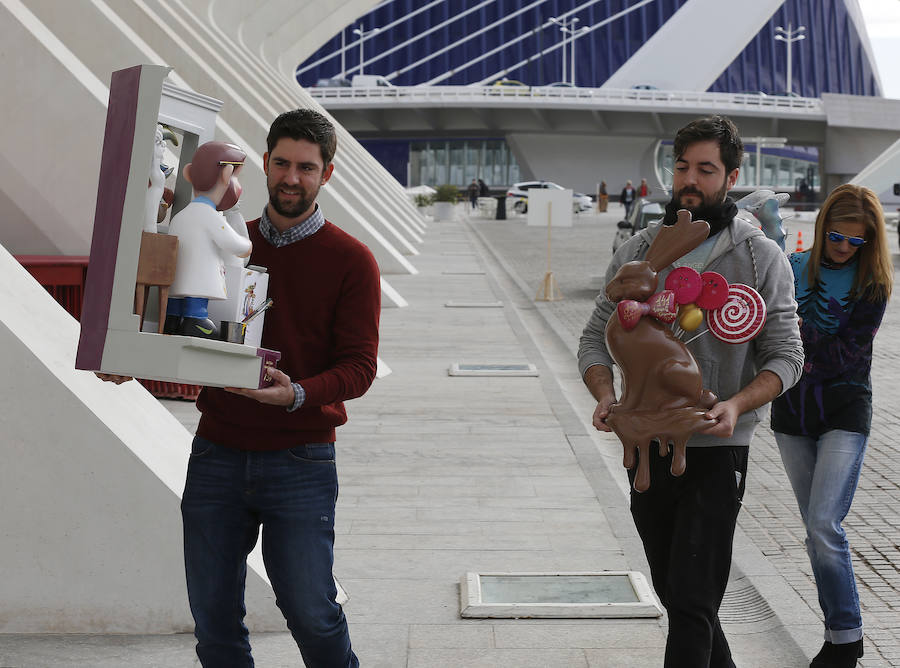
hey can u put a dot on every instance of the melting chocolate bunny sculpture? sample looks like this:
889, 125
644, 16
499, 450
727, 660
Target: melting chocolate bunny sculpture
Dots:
662, 388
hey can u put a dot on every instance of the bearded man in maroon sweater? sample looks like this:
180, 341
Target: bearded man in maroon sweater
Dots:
266, 458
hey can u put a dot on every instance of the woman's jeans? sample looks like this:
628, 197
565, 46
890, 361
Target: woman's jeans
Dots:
824, 473
292, 493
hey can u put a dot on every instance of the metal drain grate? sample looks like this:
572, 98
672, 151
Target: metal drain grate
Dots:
742, 604
457, 369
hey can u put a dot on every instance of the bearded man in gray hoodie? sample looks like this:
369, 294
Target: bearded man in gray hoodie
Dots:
686, 523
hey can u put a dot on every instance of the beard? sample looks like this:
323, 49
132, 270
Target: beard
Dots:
291, 209
707, 204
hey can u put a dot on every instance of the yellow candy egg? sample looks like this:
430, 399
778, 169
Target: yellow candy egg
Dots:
691, 317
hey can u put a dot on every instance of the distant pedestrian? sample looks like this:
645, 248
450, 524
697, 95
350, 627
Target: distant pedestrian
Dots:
822, 424
627, 197
473, 191
483, 190
643, 189
602, 197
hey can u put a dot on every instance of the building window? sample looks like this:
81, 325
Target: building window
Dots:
458, 161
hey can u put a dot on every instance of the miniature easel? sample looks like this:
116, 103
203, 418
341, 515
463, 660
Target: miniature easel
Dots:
549, 289
156, 266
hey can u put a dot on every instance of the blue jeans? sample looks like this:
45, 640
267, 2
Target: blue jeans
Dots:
292, 493
824, 473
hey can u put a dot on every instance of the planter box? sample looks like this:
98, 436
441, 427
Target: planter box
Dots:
444, 210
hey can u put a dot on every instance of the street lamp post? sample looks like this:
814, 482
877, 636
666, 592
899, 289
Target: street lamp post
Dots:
567, 27
789, 36
343, 53
575, 35
362, 32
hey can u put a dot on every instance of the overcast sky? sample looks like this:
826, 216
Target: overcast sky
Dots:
883, 24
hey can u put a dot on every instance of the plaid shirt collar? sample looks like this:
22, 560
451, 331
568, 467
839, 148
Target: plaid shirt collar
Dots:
299, 231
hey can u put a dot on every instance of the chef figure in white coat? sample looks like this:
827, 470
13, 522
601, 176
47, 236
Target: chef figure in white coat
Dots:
205, 239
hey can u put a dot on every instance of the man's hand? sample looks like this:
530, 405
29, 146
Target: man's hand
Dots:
112, 378
601, 413
280, 393
725, 413
758, 392
599, 381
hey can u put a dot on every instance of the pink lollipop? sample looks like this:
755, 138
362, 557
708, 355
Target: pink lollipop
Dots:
741, 317
685, 283
714, 291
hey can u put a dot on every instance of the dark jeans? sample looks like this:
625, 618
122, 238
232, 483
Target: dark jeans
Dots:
687, 525
292, 493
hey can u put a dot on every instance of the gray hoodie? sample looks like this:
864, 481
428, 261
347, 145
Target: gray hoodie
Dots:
742, 254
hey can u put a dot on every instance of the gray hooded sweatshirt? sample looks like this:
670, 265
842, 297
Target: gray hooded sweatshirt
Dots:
742, 254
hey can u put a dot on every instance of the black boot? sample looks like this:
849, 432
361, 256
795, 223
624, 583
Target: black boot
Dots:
838, 656
202, 328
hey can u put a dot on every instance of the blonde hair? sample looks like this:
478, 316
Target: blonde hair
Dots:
857, 204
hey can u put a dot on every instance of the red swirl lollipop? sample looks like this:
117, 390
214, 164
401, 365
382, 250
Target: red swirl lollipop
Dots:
741, 317
686, 283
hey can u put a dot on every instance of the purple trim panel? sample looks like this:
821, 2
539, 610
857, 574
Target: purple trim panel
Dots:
115, 165
269, 358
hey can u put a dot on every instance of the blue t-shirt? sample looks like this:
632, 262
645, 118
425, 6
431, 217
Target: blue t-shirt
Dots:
835, 391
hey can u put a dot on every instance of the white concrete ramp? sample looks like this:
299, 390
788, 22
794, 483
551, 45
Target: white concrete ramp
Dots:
90, 488
670, 60
63, 54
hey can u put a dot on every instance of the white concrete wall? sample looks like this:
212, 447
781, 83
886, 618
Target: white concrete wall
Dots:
90, 488
96, 38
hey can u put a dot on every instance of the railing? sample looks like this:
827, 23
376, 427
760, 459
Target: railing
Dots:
562, 95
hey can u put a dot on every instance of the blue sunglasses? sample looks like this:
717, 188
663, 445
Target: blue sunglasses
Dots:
837, 238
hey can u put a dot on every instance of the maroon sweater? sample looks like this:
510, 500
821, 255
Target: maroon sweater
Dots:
324, 321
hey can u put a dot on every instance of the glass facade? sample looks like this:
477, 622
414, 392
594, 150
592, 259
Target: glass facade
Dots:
458, 161
781, 168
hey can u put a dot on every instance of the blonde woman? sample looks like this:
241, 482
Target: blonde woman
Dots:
822, 424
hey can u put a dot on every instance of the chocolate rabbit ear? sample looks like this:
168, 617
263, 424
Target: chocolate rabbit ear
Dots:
673, 241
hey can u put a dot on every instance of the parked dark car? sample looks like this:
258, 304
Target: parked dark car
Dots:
642, 214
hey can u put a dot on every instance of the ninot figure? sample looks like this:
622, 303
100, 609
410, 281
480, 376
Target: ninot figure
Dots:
205, 239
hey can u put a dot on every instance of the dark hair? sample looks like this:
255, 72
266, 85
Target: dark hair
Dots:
305, 124
719, 129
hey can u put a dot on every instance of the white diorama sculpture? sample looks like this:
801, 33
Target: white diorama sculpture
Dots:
157, 179
205, 240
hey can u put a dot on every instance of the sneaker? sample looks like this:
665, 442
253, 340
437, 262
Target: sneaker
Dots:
202, 328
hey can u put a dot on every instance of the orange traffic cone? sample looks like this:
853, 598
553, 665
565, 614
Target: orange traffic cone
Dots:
799, 242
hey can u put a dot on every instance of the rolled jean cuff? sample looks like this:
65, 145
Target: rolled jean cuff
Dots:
843, 636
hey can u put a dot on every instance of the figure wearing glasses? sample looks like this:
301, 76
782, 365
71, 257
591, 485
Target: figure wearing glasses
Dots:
205, 240
822, 424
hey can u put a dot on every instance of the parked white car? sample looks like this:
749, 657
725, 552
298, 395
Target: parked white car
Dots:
517, 196
370, 81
